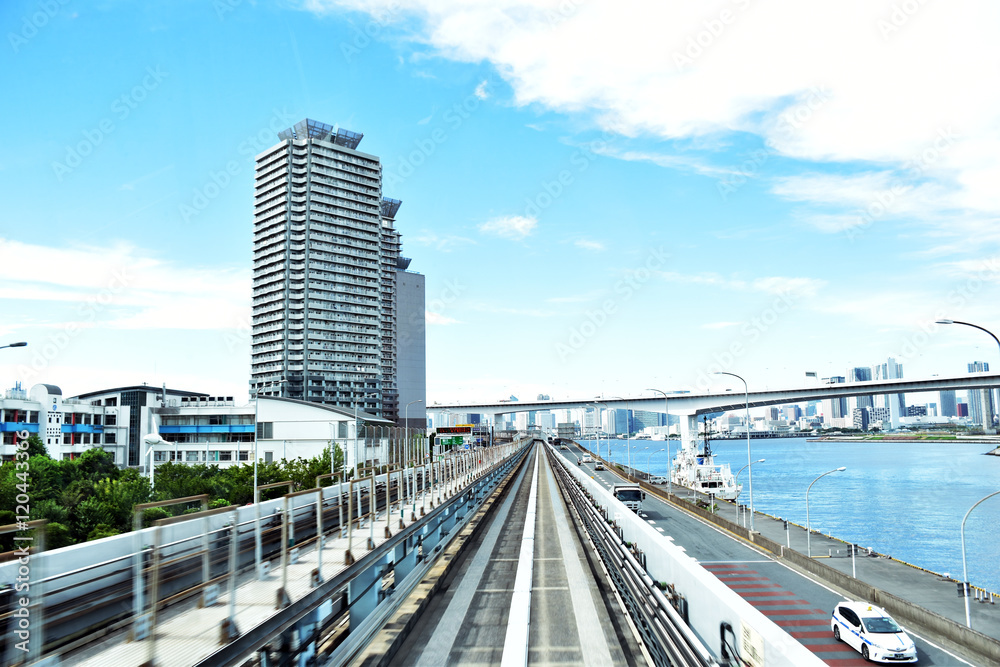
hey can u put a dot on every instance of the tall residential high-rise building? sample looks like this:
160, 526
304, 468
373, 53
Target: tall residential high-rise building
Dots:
326, 262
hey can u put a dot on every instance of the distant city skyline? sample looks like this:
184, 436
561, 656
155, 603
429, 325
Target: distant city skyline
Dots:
590, 220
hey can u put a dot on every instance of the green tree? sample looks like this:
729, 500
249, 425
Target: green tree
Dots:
57, 536
36, 446
101, 531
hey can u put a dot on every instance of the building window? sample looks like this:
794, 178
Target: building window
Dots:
97, 420
110, 420
110, 438
225, 456
268, 457
265, 430
213, 455
84, 438
244, 455
160, 456
192, 456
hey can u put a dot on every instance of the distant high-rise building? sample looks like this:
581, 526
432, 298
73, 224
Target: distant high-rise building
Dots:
861, 374
326, 267
896, 403
962, 409
834, 408
980, 400
948, 403
861, 418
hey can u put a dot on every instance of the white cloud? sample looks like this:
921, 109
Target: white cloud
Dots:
838, 82
125, 287
768, 285
589, 245
481, 91
433, 318
719, 325
445, 243
514, 227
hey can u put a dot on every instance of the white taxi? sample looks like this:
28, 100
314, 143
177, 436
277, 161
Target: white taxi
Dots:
871, 631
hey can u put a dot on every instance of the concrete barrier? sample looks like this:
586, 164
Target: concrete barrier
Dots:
918, 617
939, 626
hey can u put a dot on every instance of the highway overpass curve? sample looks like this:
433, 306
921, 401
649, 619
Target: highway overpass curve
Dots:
799, 604
572, 620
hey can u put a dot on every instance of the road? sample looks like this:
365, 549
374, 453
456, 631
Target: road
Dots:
793, 600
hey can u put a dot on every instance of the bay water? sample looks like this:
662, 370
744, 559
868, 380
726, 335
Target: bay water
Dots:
904, 499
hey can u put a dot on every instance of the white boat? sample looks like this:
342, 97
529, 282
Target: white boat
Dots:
694, 467
643, 436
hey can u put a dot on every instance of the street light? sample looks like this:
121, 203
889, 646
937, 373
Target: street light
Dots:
20, 344
670, 462
738, 481
648, 456
974, 326
596, 403
965, 571
808, 525
746, 391
628, 433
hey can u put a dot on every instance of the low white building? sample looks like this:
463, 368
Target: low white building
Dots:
221, 433
68, 427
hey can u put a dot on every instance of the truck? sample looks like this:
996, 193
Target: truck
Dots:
631, 495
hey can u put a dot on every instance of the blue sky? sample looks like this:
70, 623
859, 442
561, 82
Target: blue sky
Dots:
604, 197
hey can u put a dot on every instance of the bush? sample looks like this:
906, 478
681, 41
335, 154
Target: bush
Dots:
101, 531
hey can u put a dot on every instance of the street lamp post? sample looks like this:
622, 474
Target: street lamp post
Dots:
649, 472
965, 571
670, 463
808, 524
628, 434
596, 403
746, 391
976, 326
738, 479
18, 344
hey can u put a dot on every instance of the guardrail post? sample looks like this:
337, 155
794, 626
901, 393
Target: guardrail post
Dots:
229, 629
348, 555
283, 600
208, 597
154, 594
388, 502
320, 537
372, 507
